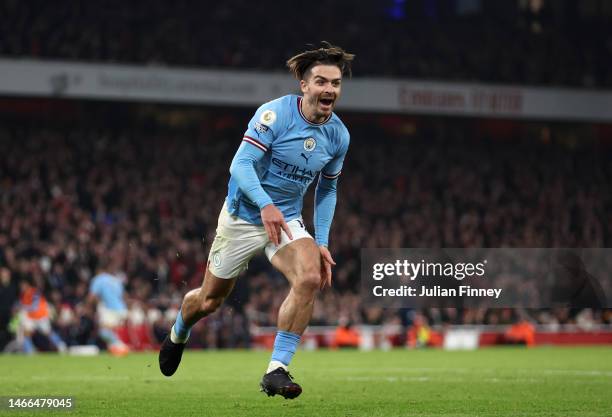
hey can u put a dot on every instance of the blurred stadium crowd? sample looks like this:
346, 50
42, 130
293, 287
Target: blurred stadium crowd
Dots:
543, 42
151, 196
73, 192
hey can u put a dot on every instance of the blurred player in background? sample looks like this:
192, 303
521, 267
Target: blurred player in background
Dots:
107, 291
34, 317
289, 142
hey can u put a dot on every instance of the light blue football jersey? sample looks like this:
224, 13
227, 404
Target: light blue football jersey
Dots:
296, 152
109, 290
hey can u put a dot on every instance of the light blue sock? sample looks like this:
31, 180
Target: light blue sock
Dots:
109, 337
28, 346
57, 340
181, 330
285, 345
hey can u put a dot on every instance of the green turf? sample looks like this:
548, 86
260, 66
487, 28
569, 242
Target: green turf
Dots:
488, 382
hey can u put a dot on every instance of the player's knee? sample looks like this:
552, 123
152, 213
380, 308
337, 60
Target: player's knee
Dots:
309, 280
210, 304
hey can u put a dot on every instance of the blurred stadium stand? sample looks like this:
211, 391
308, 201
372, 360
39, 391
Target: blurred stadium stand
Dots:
142, 180
79, 178
535, 42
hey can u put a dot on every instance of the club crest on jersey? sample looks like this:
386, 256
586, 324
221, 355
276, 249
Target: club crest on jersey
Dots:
310, 144
268, 117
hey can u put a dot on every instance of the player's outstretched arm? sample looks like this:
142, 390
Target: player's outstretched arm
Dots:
325, 205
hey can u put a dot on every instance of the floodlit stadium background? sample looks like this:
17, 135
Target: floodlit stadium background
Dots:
454, 144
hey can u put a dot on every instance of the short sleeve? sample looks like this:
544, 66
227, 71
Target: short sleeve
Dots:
94, 288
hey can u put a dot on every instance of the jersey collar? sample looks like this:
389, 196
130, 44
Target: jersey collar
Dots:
299, 106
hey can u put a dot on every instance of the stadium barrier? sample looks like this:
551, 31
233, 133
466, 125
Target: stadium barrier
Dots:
451, 337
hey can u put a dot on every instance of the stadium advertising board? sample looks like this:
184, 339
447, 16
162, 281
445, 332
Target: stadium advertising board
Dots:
247, 88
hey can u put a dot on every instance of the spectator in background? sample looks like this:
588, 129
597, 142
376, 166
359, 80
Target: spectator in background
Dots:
420, 334
8, 298
345, 335
521, 333
35, 317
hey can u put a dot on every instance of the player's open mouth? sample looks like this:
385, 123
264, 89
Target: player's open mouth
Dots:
326, 102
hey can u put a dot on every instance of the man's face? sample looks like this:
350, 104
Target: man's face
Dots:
5, 276
24, 286
321, 88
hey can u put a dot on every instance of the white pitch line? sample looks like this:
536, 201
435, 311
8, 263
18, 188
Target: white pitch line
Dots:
388, 379
80, 378
575, 372
509, 380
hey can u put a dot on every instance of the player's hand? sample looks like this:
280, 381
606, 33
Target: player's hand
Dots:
274, 221
326, 263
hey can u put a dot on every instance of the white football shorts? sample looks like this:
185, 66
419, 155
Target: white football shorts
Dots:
31, 325
237, 241
111, 318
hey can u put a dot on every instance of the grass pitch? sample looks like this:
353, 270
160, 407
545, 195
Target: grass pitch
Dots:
488, 382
